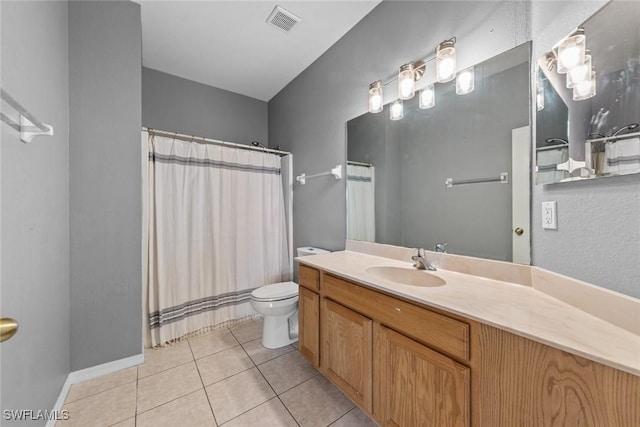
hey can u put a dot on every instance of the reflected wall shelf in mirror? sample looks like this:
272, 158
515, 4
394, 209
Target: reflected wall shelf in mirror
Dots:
597, 136
396, 169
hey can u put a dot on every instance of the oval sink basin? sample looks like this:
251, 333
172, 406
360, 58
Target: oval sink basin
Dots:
406, 276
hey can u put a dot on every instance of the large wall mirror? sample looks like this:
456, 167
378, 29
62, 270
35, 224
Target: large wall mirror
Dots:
588, 99
447, 173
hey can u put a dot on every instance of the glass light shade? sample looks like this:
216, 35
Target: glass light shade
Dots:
465, 81
445, 61
427, 97
586, 89
376, 103
395, 112
571, 51
406, 82
579, 73
540, 97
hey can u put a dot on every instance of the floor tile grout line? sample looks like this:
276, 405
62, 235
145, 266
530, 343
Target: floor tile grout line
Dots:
168, 369
250, 409
277, 396
135, 415
66, 402
203, 386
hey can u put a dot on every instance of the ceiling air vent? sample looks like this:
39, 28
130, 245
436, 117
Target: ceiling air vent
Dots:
282, 19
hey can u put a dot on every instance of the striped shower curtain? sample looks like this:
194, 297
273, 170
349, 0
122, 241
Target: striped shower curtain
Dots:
216, 232
361, 206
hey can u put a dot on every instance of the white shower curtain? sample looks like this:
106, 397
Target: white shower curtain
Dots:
216, 232
361, 208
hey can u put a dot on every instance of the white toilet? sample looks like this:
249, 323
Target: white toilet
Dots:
278, 303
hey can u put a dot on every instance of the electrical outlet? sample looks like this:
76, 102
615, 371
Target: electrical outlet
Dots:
549, 217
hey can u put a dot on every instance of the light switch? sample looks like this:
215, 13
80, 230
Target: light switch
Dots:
549, 217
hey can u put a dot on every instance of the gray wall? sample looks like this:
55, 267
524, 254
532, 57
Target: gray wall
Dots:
35, 207
179, 105
105, 182
598, 239
309, 116
598, 236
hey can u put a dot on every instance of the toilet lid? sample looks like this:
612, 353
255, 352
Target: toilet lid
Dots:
276, 291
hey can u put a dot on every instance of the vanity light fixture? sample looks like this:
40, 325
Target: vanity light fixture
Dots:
571, 51
579, 73
427, 97
585, 89
465, 81
376, 103
446, 61
395, 112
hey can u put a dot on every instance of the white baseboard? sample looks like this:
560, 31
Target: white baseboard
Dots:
90, 373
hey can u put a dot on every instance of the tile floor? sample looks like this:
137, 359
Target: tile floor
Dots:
223, 378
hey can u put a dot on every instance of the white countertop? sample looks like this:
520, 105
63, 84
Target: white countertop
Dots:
522, 310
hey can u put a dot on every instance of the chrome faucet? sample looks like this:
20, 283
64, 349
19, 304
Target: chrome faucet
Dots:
440, 247
421, 262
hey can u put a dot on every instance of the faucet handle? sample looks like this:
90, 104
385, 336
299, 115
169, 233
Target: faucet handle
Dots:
440, 247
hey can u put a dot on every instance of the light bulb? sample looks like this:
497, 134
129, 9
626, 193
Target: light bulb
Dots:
375, 97
395, 112
540, 97
427, 97
406, 82
445, 61
579, 73
465, 81
585, 89
571, 51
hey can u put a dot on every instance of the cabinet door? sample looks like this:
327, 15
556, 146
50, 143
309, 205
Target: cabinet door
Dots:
418, 386
346, 351
309, 325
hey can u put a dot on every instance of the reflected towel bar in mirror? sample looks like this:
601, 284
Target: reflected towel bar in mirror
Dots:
503, 179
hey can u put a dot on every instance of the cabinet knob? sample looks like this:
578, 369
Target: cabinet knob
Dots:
519, 231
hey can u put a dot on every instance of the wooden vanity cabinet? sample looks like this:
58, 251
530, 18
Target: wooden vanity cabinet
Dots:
409, 365
309, 314
374, 348
419, 386
347, 351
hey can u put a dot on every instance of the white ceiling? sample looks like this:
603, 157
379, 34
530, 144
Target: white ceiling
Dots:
229, 45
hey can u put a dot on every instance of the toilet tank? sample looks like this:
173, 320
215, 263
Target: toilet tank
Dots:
310, 250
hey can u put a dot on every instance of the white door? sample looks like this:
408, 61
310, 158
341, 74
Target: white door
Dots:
521, 198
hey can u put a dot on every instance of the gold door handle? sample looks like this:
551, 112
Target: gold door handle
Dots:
8, 328
518, 231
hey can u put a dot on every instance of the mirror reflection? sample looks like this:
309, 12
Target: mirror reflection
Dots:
588, 99
444, 175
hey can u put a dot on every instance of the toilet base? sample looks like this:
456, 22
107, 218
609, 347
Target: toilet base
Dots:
275, 331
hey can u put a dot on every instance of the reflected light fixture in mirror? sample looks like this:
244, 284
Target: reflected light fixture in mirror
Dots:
376, 103
406, 82
446, 61
395, 112
571, 51
465, 81
427, 97
540, 97
585, 89
580, 73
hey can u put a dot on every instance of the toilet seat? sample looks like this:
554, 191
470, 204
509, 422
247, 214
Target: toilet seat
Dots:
275, 292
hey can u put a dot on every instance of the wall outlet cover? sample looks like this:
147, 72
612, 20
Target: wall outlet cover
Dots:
549, 216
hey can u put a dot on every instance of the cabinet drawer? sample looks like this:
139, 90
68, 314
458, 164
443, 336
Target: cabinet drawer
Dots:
440, 332
308, 277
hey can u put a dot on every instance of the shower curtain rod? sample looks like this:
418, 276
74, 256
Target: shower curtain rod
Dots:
195, 138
